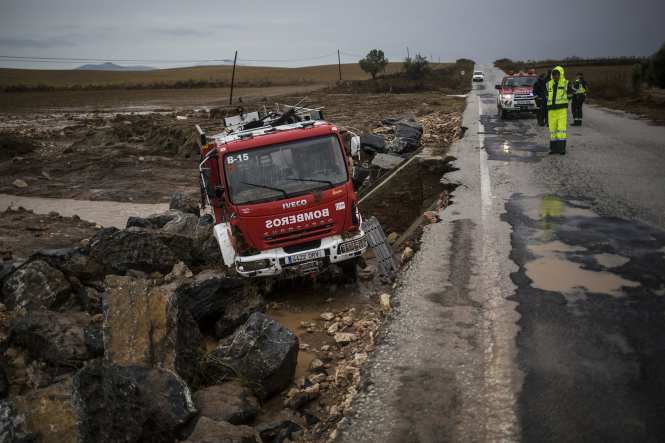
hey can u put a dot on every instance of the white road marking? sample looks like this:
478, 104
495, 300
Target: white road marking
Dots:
485, 185
500, 402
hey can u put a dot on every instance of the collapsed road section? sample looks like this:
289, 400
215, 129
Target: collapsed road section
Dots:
127, 313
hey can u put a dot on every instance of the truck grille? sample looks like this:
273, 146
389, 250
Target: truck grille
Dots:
277, 240
523, 97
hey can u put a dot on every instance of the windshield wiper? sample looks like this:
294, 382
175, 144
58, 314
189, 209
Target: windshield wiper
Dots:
267, 187
332, 185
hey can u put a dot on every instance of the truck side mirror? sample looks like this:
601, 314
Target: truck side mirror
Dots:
497, 86
355, 145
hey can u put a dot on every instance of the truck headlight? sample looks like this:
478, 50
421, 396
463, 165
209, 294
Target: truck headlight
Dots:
507, 96
249, 266
352, 245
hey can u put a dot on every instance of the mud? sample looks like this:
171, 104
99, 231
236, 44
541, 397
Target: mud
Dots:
56, 231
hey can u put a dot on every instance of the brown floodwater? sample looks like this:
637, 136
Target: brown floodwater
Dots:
105, 213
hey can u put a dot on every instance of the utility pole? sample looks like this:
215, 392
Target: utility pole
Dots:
233, 76
339, 63
407, 52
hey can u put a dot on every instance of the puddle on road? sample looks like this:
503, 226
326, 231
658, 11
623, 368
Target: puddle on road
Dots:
106, 213
611, 260
560, 275
555, 246
552, 270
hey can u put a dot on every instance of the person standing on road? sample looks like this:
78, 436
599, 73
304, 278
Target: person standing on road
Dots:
547, 80
540, 95
580, 90
559, 93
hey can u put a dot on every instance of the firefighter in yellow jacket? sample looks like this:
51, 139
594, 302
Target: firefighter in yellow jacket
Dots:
559, 94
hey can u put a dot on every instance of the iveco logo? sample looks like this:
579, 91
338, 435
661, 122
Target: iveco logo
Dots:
294, 204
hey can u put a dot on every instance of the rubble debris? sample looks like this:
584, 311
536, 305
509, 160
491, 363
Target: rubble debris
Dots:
385, 304
407, 255
20, 183
237, 314
208, 430
372, 143
230, 402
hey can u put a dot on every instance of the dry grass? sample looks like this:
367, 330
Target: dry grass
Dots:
201, 76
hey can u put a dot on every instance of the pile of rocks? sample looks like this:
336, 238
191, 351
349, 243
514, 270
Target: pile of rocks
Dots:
104, 342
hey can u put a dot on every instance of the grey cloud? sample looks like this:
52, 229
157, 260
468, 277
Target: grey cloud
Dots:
36, 43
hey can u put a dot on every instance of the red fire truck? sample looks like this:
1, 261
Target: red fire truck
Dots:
281, 194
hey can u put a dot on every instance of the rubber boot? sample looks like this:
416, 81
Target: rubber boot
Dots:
561, 145
553, 147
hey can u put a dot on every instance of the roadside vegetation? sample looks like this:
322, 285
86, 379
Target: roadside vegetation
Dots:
630, 84
417, 75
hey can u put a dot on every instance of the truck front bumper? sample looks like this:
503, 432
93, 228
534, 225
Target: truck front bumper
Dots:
276, 261
512, 105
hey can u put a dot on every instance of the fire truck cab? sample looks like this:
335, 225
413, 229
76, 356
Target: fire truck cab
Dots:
516, 94
282, 199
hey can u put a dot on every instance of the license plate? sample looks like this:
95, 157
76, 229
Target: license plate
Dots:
523, 103
305, 256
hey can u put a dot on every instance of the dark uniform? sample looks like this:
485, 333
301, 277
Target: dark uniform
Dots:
548, 77
540, 95
580, 90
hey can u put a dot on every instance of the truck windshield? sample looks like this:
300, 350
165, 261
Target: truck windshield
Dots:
512, 82
286, 170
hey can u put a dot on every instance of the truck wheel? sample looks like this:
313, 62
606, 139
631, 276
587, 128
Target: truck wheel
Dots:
349, 268
503, 113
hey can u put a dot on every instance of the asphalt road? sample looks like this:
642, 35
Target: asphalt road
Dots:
535, 309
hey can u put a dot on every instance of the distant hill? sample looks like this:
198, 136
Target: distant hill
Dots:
113, 67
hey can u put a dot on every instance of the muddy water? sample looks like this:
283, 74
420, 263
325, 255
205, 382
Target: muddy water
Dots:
611, 260
103, 212
552, 270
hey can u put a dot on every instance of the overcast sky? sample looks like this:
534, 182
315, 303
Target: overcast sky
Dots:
484, 30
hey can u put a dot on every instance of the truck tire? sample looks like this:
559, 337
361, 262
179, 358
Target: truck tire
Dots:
349, 268
503, 114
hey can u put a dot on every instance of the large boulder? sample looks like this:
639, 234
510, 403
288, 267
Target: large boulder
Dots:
57, 338
231, 402
262, 351
209, 431
167, 398
71, 262
200, 230
95, 405
140, 249
207, 300
139, 222
148, 326
33, 285
160, 220
237, 314
183, 224
183, 202
373, 143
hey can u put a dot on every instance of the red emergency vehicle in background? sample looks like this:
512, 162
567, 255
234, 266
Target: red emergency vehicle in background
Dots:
516, 94
281, 194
